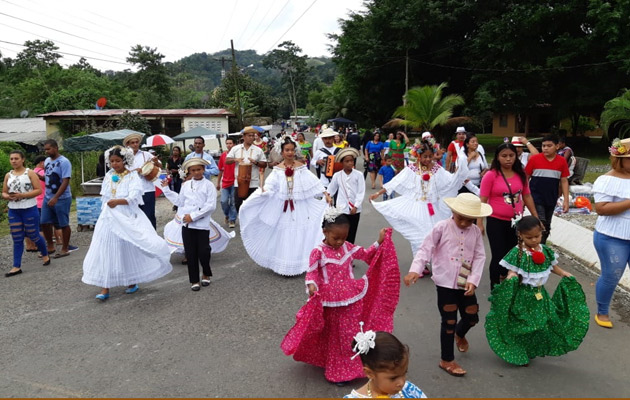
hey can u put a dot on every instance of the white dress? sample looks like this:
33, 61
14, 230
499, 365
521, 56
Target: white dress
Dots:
419, 205
219, 237
277, 236
125, 249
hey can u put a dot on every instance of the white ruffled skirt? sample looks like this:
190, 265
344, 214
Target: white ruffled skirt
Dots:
411, 217
219, 237
125, 250
278, 240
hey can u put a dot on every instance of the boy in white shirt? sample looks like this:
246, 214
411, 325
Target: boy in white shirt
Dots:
349, 186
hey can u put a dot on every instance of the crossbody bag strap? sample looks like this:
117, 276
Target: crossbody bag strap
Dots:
512, 198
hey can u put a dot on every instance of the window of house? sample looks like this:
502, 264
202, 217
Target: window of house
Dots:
503, 120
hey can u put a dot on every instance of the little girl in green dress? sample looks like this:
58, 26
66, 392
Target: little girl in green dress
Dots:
524, 321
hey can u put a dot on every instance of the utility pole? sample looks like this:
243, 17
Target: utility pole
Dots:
239, 112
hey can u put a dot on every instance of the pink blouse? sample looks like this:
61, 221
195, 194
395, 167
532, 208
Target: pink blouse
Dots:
446, 247
330, 270
494, 188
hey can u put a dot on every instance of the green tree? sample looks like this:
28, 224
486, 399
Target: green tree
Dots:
152, 80
287, 59
37, 55
425, 108
133, 121
616, 115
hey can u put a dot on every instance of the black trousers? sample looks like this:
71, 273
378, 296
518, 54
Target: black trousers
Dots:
449, 301
197, 249
545, 214
354, 225
238, 201
502, 238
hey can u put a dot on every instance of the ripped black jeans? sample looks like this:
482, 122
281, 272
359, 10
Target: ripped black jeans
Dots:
449, 301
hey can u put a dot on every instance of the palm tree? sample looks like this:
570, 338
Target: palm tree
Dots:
425, 108
616, 114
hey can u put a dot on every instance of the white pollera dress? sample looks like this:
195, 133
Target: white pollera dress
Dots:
420, 204
125, 249
280, 226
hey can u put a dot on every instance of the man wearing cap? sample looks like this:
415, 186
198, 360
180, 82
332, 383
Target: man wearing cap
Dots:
319, 157
520, 142
451, 151
140, 158
247, 153
211, 168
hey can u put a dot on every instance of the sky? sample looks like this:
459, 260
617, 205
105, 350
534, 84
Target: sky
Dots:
104, 31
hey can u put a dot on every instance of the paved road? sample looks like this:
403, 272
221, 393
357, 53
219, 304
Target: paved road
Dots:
167, 341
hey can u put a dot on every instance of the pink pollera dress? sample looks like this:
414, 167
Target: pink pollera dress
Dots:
326, 325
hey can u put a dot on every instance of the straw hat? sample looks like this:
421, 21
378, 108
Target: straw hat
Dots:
468, 205
249, 129
327, 133
192, 162
620, 148
516, 141
426, 134
348, 151
460, 129
132, 136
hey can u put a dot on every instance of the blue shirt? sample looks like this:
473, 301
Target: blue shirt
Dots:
56, 171
388, 173
211, 169
372, 147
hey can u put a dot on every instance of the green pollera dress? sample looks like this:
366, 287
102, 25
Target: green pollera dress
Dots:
524, 321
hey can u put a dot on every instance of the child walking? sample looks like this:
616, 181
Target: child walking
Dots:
125, 249
324, 328
524, 321
455, 249
386, 173
195, 203
385, 361
349, 186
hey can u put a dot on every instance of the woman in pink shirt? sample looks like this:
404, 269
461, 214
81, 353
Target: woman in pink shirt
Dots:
39, 170
505, 188
455, 249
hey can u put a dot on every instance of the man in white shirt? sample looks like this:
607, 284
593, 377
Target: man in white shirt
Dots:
211, 168
349, 186
318, 143
140, 158
247, 154
319, 157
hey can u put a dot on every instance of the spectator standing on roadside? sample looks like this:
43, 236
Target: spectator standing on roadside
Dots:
225, 184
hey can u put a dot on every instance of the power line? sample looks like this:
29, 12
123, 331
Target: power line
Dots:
292, 25
229, 22
60, 31
272, 21
71, 54
55, 41
248, 22
259, 23
533, 69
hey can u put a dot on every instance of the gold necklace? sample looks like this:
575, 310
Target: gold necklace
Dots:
116, 179
369, 392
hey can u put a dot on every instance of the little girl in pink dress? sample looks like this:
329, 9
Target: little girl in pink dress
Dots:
326, 324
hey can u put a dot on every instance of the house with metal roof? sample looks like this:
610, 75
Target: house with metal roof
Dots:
28, 131
171, 122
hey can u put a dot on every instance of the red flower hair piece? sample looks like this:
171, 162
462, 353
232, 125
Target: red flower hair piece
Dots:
538, 257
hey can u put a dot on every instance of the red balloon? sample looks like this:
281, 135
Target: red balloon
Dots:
101, 102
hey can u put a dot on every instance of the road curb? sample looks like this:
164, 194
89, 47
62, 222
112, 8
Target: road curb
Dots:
578, 241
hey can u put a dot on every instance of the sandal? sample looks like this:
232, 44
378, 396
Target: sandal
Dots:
461, 343
59, 255
452, 368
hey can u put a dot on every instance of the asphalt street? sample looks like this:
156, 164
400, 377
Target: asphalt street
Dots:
224, 341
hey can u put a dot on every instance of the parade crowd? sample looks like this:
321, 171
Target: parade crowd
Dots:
302, 218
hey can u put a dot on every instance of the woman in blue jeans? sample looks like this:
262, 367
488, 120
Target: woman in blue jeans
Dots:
21, 187
612, 229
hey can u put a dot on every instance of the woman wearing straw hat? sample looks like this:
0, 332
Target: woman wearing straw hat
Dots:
612, 230
455, 249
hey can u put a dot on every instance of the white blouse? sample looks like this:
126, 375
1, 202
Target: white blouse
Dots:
350, 189
609, 188
20, 184
197, 198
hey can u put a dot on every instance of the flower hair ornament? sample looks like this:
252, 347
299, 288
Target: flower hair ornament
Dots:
516, 219
126, 153
277, 146
617, 148
365, 342
331, 214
